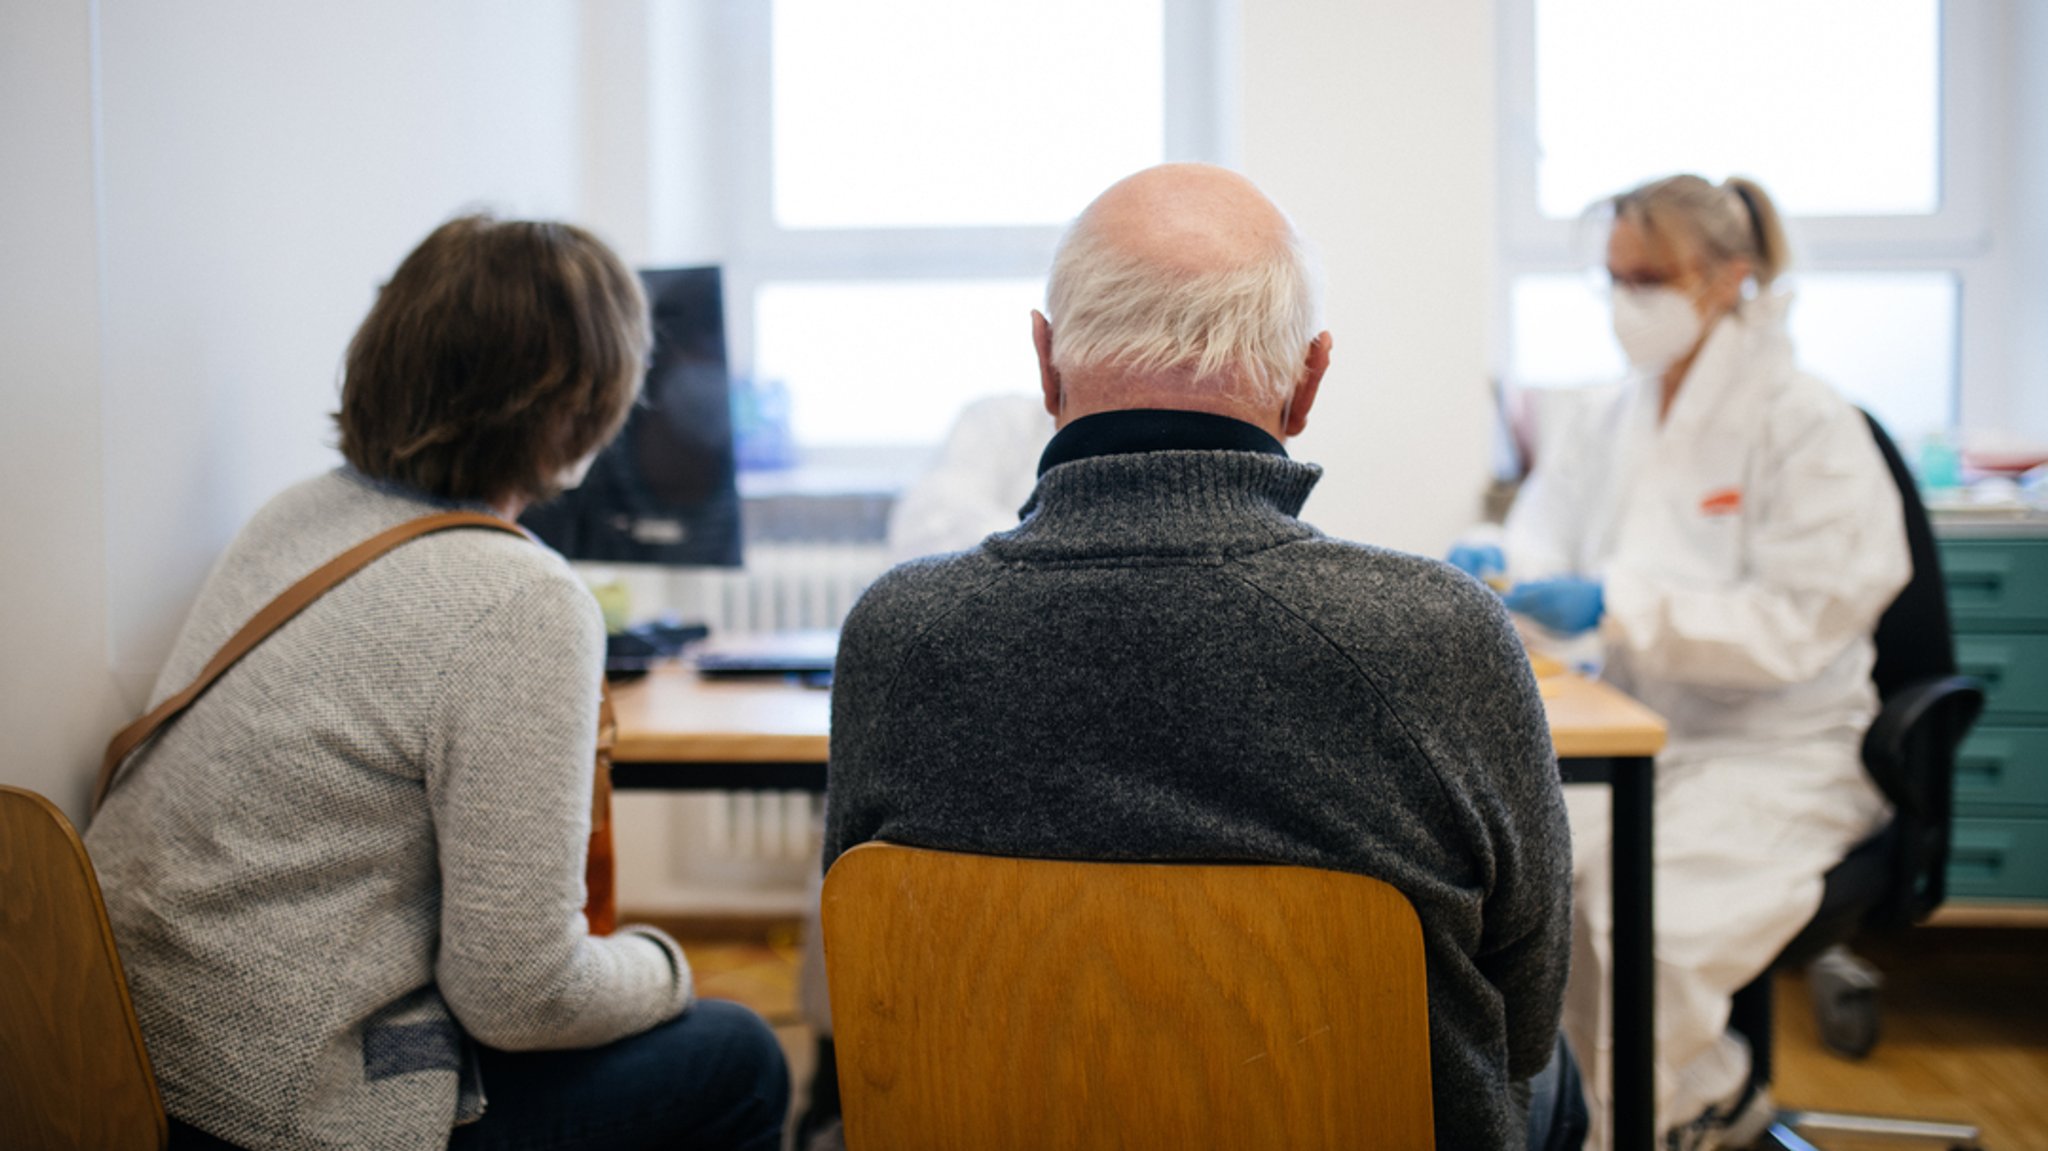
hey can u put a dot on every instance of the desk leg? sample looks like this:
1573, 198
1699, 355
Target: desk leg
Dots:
1635, 975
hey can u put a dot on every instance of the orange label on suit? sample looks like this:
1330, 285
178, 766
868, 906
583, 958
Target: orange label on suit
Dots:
1725, 502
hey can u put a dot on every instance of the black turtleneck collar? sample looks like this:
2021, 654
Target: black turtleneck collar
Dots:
1153, 430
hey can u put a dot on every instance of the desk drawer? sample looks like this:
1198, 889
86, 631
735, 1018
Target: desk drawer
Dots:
2014, 669
1999, 859
1999, 769
2000, 583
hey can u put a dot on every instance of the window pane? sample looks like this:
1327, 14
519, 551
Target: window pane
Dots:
1559, 332
1834, 105
1886, 340
929, 113
879, 362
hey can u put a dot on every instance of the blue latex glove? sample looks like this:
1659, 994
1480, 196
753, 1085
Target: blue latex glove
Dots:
1567, 606
1477, 560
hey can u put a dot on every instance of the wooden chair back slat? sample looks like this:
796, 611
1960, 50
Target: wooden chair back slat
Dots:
1000, 1003
73, 1070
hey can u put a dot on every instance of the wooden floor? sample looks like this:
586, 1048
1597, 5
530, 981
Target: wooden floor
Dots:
1965, 1018
1965, 1037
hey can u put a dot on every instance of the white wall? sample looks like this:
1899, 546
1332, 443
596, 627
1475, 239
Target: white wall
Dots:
2026, 216
265, 166
1372, 123
172, 352
657, 105
56, 697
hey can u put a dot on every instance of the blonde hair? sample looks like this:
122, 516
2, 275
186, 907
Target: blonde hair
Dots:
1734, 219
1242, 331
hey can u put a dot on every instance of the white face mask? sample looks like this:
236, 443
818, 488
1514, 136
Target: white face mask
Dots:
1655, 326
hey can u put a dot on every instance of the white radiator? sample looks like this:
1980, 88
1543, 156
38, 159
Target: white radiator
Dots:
784, 587
740, 851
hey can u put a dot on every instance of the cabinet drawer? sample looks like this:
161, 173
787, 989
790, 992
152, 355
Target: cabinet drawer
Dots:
2014, 669
1999, 859
2000, 583
2001, 768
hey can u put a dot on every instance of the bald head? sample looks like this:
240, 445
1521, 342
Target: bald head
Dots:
1182, 287
1188, 218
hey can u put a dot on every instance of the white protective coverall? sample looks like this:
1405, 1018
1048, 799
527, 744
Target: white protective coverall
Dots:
982, 475
1747, 547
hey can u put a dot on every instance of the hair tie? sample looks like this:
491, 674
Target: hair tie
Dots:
1756, 224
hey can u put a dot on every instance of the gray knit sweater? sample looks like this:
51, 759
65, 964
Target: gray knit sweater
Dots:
1163, 662
367, 839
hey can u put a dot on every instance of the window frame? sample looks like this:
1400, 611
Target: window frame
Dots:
760, 251
1957, 238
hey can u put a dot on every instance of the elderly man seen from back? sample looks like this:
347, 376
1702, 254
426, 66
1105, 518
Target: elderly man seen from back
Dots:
1163, 662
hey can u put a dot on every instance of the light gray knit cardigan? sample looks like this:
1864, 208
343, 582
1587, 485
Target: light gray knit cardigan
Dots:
367, 839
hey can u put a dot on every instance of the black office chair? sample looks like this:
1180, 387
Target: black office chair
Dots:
1897, 877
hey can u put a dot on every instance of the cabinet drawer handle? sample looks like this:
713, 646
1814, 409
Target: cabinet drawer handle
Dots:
1987, 582
1989, 674
1981, 772
1976, 864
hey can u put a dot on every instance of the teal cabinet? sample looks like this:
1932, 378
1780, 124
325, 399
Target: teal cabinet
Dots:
1999, 859
2001, 584
2014, 671
2003, 770
1997, 577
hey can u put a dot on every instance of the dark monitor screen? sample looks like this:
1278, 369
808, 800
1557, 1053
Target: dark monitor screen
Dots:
663, 492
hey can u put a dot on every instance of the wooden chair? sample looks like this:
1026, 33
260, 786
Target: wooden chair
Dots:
1000, 1003
73, 1071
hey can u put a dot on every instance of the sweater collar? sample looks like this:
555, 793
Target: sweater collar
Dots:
1162, 504
1153, 430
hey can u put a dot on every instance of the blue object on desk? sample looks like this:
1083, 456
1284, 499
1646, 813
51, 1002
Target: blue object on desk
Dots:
1478, 560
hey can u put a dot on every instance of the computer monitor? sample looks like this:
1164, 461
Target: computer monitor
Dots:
663, 492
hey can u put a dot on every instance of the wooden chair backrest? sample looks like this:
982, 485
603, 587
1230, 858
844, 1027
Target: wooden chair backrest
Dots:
1001, 1003
73, 1071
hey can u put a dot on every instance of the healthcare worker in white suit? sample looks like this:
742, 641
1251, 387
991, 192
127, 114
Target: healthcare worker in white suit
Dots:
1727, 527
981, 478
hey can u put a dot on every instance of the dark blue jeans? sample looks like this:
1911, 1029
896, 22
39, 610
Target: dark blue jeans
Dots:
713, 1079
1558, 1119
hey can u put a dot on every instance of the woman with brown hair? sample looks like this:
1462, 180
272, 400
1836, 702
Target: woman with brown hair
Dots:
348, 883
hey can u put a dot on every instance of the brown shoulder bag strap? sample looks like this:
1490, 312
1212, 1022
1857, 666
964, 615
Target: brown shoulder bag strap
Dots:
289, 603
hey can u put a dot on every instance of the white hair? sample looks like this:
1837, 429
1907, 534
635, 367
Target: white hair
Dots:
1243, 331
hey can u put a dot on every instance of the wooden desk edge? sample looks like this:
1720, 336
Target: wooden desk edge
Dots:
1588, 718
1608, 722
720, 747
1630, 743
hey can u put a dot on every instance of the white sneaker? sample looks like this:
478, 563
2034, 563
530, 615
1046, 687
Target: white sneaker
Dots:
1716, 1129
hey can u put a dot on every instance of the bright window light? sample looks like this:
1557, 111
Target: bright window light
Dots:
892, 362
1560, 332
1886, 340
1834, 106
944, 113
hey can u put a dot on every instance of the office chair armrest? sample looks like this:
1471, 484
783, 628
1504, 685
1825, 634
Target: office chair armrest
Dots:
1910, 752
1925, 719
